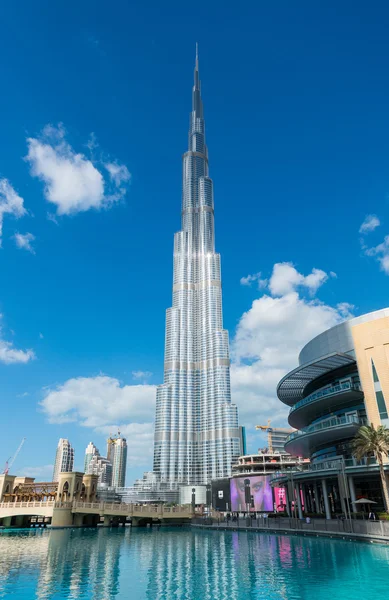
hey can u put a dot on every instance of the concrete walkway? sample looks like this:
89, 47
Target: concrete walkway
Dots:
374, 532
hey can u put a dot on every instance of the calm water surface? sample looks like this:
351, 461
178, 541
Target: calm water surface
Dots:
167, 564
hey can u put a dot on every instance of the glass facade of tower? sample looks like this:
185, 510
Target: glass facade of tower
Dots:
196, 431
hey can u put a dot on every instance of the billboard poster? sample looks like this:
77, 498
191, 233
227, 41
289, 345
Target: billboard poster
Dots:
279, 499
259, 489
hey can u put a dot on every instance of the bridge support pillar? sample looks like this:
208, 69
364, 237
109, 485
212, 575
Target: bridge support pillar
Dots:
107, 521
78, 520
20, 521
140, 521
62, 517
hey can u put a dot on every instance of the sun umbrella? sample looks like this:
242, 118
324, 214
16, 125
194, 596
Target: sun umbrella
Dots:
364, 501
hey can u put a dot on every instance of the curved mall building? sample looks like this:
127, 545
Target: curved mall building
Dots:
341, 383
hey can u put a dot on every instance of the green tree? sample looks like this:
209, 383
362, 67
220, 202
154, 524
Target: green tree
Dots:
368, 441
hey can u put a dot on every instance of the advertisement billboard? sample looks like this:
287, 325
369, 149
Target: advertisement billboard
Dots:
258, 491
221, 494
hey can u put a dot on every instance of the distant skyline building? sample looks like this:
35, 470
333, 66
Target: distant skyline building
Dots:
117, 456
278, 439
91, 450
64, 458
102, 467
197, 437
95, 464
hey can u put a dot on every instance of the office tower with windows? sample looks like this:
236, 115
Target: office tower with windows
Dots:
196, 430
64, 458
117, 456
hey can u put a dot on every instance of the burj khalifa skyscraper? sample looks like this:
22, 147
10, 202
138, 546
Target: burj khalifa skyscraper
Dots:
197, 436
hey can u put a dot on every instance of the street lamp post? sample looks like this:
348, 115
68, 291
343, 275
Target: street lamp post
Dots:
208, 497
247, 494
345, 491
193, 499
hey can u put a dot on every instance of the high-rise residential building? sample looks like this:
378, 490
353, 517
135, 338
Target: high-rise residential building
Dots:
90, 452
196, 430
64, 458
95, 464
117, 456
102, 467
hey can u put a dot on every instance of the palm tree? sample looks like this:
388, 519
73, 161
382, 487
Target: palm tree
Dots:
368, 441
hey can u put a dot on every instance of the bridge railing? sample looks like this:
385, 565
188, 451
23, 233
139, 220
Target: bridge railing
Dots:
132, 508
49, 503
103, 506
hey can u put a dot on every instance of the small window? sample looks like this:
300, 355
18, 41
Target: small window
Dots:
375, 376
381, 405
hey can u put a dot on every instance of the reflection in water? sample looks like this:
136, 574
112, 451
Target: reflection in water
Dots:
150, 564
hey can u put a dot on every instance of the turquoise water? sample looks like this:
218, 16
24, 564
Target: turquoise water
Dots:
178, 564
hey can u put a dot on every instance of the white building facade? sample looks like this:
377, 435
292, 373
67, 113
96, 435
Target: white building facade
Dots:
90, 452
64, 458
117, 456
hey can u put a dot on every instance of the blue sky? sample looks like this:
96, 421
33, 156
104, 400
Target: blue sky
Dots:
94, 114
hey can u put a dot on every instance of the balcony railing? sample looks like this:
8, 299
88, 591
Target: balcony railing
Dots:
330, 391
326, 424
326, 464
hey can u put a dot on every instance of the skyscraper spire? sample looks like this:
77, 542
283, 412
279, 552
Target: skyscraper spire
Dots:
197, 105
197, 436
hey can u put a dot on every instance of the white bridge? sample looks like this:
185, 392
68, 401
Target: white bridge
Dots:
73, 514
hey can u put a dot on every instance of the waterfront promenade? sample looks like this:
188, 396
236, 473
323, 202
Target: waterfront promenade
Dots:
352, 529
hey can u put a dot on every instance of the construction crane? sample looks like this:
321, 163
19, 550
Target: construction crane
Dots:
272, 430
11, 460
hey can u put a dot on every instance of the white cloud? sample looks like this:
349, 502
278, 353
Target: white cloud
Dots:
268, 340
141, 374
23, 241
381, 252
285, 279
72, 182
118, 173
370, 223
249, 280
10, 203
98, 401
41, 336
44, 472
51, 217
10, 355
103, 404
